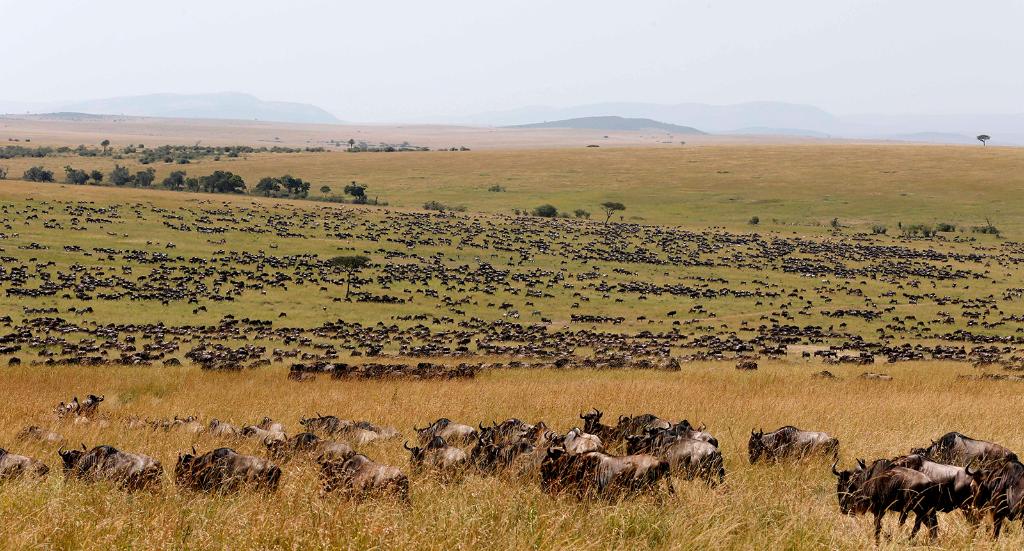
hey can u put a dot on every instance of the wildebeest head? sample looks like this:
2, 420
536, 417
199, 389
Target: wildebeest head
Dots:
591, 419
755, 446
846, 487
70, 457
186, 464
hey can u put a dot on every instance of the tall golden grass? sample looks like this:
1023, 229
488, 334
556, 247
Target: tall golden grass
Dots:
759, 507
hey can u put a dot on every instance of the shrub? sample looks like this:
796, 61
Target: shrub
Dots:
988, 228
834, 223
923, 230
545, 211
38, 174
878, 229
441, 207
3, 173
75, 176
754, 221
497, 188
945, 227
580, 213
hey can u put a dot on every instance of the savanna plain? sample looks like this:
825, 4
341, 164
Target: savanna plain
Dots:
900, 261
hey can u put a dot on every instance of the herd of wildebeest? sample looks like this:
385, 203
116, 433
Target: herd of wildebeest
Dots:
638, 454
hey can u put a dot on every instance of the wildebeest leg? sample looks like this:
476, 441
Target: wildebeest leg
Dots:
918, 517
997, 524
878, 525
933, 524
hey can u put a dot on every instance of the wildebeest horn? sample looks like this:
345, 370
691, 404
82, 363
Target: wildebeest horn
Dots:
60, 450
481, 425
599, 412
703, 427
417, 429
967, 469
621, 417
834, 471
194, 452
266, 441
406, 446
582, 417
862, 464
753, 433
83, 447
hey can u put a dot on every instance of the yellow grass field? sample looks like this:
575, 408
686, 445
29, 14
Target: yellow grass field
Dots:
759, 507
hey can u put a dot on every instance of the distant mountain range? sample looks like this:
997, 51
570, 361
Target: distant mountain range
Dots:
225, 105
780, 119
613, 123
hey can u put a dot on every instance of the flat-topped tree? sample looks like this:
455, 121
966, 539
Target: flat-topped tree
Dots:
609, 208
350, 265
984, 138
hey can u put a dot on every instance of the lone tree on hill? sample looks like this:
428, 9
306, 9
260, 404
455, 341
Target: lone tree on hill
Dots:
984, 138
350, 265
609, 208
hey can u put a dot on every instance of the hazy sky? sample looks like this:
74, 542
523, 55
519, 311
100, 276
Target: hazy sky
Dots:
377, 61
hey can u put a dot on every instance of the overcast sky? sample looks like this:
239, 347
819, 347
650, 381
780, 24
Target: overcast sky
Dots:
385, 61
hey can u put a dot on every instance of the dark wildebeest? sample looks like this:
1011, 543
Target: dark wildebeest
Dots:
445, 428
130, 471
955, 488
508, 431
639, 424
601, 474
684, 428
221, 429
957, 449
358, 476
592, 425
85, 408
38, 433
999, 490
13, 465
883, 487
693, 458
790, 442
308, 444
438, 456
225, 470
518, 455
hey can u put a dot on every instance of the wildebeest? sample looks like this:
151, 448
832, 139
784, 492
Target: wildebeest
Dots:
358, 476
188, 424
884, 487
221, 429
790, 442
576, 442
356, 432
999, 490
455, 433
601, 474
85, 408
225, 470
957, 449
309, 444
38, 433
956, 490
489, 457
639, 424
270, 425
438, 456
131, 471
508, 431
252, 431
689, 456
13, 465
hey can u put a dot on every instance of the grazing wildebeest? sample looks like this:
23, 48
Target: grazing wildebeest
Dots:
452, 432
358, 476
518, 456
601, 474
956, 490
308, 444
509, 430
130, 471
225, 470
689, 456
252, 431
357, 432
13, 465
884, 487
957, 449
684, 428
270, 425
790, 442
38, 433
85, 408
999, 491
438, 456
221, 429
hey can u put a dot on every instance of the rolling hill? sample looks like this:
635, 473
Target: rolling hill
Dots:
612, 123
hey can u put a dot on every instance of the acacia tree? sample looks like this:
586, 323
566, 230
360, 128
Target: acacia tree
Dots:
984, 138
105, 144
350, 265
609, 208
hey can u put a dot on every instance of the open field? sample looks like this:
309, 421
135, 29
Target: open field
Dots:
174, 303
759, 507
